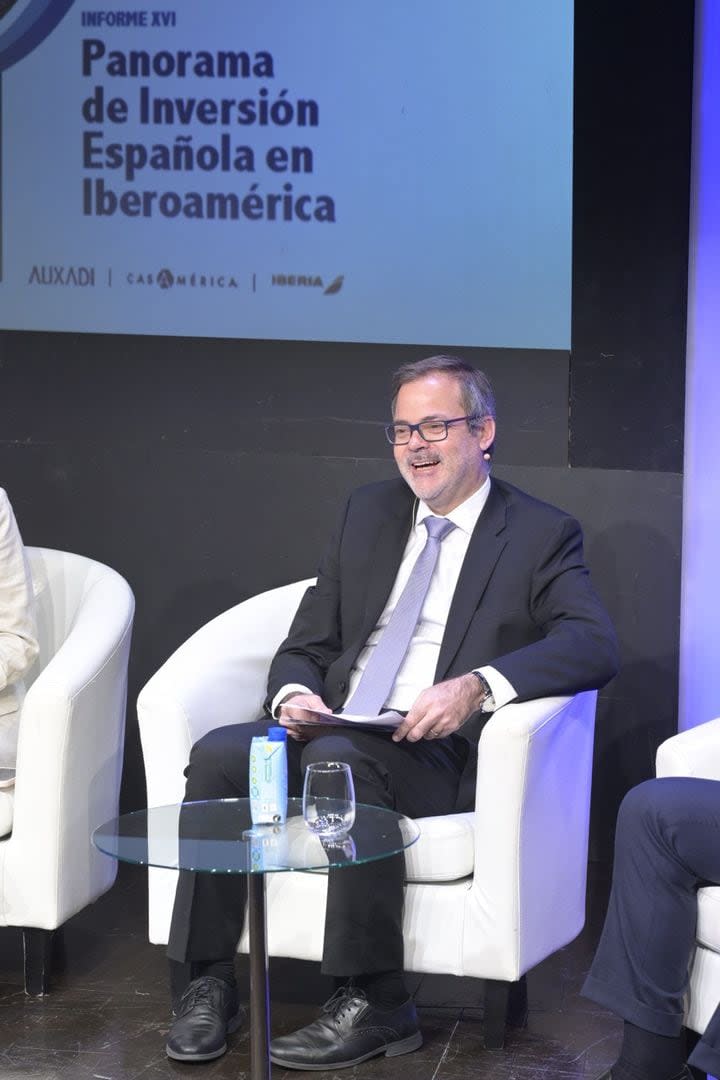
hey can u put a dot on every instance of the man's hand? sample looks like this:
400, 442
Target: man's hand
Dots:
441, 709
289, 709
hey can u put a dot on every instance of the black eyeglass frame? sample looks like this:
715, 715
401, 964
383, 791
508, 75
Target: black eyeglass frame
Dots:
390, 429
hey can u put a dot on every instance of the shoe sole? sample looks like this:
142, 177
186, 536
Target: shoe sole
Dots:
232, 1026
402, 1046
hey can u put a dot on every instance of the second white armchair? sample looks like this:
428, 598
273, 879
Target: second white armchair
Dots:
489, 893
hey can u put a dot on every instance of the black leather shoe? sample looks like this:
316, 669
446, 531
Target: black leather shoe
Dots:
206, 1013
684, 1074
350, 1030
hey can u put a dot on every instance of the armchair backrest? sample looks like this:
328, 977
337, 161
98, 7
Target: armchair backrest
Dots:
60, 580
237, 647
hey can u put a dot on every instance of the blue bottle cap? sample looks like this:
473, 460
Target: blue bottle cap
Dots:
277, 734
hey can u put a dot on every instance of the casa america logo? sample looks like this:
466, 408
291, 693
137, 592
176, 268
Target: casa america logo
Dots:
168, 279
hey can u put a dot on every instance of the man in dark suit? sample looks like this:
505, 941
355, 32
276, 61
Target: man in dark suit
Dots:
508, 614
666, 848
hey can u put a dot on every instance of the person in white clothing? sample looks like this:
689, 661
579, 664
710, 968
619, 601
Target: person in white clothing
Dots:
18, 634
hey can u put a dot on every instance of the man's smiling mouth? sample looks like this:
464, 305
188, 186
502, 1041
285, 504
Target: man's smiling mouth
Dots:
425, 463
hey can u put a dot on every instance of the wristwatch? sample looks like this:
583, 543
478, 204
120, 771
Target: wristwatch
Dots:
487, 692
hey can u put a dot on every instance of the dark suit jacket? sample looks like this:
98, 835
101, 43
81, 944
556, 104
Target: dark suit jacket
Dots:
523, 601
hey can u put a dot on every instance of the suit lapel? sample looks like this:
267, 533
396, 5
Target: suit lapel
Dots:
484, 550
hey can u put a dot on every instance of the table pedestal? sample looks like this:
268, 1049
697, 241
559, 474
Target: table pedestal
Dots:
259, 997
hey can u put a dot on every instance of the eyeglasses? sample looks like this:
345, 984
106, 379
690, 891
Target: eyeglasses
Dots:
429, 430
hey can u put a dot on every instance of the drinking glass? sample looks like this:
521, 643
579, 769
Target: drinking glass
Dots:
329, 798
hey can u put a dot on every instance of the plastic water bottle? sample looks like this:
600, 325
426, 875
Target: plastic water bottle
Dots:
268, 777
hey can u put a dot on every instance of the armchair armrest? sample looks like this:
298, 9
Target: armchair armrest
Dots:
694, 752
70, 753
531, 831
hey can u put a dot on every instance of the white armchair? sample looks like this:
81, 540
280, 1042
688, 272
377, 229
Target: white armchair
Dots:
489, 893
696, 752
70, 751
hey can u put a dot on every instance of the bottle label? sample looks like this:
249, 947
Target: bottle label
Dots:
268, 781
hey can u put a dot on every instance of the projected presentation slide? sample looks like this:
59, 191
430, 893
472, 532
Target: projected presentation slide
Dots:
393, 172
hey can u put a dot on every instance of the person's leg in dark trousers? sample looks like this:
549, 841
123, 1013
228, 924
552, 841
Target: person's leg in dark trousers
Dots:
209, 910
372, 1013
667, 846
363, 923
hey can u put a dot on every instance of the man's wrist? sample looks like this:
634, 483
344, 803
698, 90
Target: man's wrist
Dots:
483, 687
284, 693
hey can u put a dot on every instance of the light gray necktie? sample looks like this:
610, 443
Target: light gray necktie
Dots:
386, 658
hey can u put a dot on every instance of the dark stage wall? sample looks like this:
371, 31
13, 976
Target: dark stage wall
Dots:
207, 470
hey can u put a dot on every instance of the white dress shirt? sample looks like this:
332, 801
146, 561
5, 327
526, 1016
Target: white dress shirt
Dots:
418, 667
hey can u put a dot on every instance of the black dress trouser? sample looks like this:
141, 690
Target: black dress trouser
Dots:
667, 846
363, 924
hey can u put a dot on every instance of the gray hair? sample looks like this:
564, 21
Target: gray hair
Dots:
476, 393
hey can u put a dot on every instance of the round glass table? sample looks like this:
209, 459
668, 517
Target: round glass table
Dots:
218, 837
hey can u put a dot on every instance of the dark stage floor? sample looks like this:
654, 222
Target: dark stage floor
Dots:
107, 1015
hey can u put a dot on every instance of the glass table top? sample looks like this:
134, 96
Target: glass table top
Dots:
218, 837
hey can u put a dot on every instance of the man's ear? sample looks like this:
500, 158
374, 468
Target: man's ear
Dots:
486, 434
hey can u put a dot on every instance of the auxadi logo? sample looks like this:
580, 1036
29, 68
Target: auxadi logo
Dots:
166, 279
62, 275
309, 281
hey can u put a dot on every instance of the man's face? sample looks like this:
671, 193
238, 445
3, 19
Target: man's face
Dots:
442, 474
